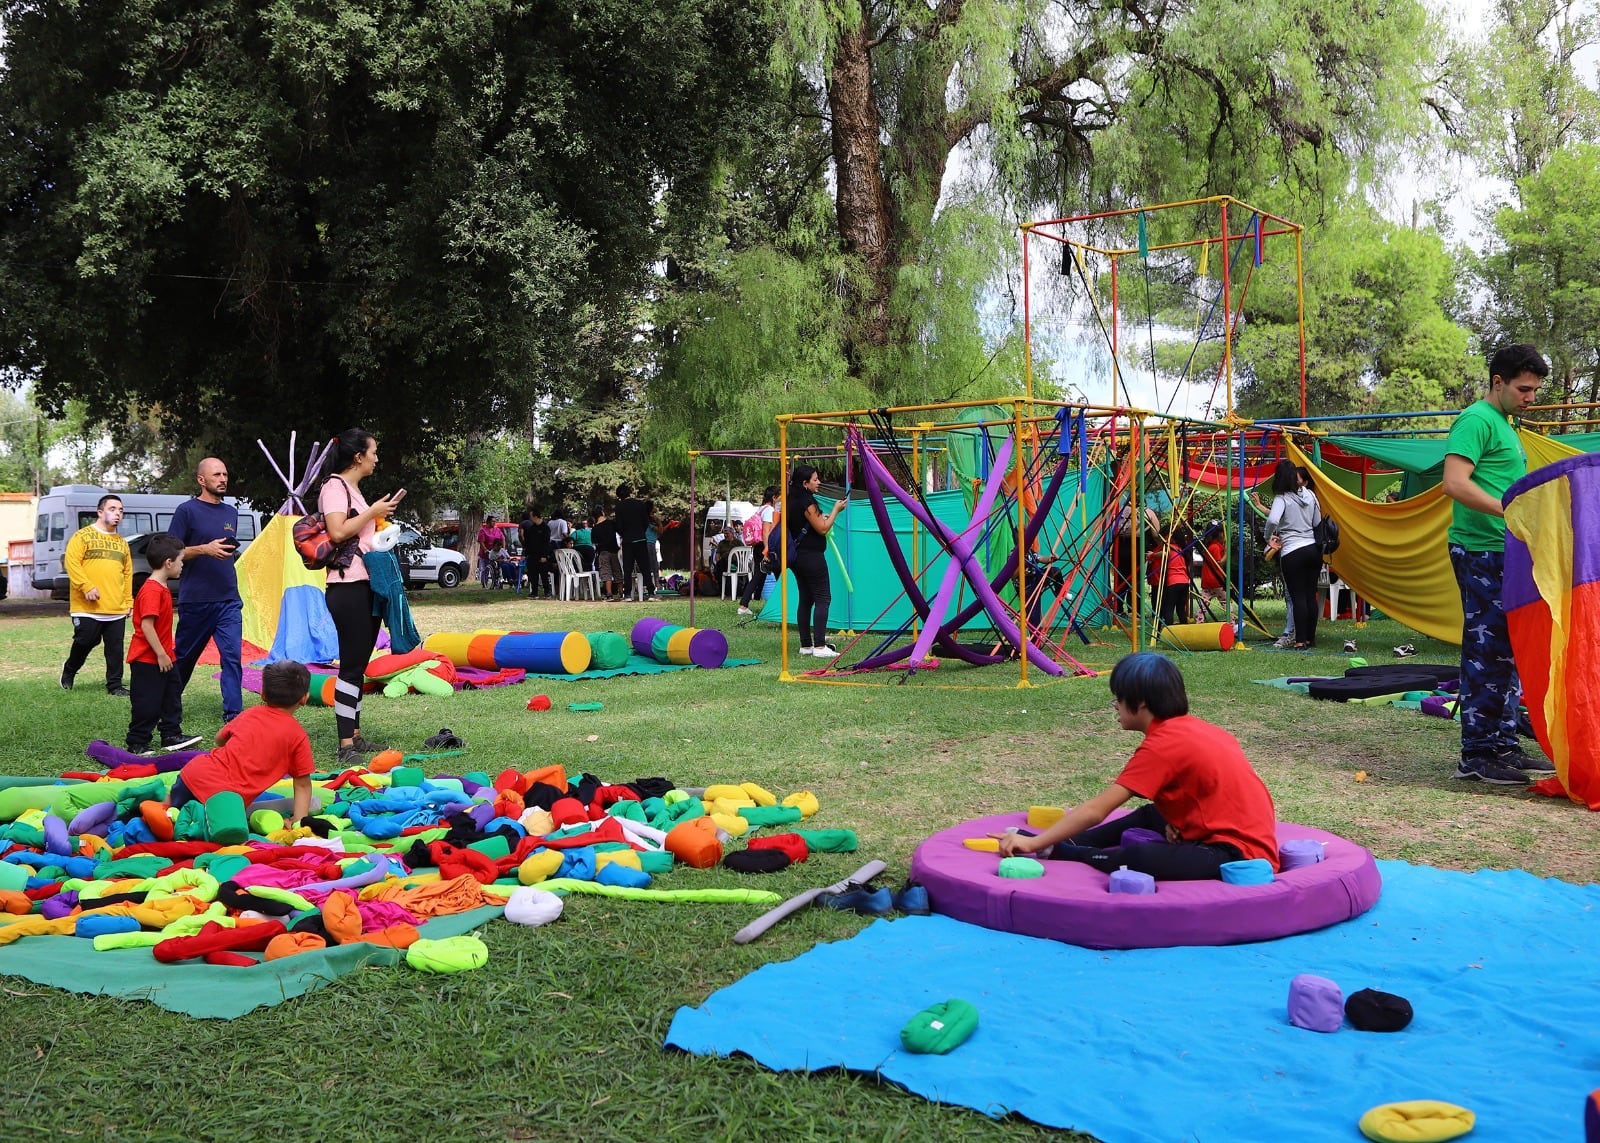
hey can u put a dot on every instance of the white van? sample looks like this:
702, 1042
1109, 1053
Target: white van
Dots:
728, 513
68, 507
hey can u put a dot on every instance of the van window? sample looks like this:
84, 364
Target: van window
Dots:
163, 521
58, 526
247, 526
87, 518
134, 523
41, 528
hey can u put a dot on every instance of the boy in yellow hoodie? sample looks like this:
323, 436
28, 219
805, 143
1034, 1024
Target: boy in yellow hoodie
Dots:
100, 569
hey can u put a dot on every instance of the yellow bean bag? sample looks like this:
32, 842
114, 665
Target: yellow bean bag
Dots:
1416, 1121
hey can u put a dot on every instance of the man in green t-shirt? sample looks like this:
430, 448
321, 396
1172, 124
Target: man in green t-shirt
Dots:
1483, 458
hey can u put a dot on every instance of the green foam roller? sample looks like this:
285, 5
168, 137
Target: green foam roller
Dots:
610, 651
226, 821
406, 776
770, 815
655, 861
493, 847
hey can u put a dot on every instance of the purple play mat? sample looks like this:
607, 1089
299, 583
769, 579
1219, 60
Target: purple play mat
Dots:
1070, 902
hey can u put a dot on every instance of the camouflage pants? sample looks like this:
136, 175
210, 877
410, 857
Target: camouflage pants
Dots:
1490, 690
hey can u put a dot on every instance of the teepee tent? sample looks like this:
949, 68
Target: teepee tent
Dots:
284, 606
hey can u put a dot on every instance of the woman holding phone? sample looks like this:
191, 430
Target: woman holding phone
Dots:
349, 517
808, 559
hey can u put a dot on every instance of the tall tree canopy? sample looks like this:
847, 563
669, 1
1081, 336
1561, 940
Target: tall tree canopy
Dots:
918, 135
252, 215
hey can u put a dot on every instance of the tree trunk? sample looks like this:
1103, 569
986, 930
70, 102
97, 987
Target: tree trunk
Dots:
865, 210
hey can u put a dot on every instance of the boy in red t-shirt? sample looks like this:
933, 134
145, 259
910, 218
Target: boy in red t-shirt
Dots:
1205, 798
157, 688
258, 749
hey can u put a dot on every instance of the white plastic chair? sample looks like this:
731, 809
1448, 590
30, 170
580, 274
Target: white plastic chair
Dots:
574, 580
741, 566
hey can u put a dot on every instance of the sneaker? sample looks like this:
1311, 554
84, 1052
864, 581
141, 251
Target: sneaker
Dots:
1350, 647
364, 745
348, 757
1529, 764
1404, 651
66, 678
805, 650
866, 902
180, 741
825, 651
1490, 771
745, 611
446, 739
119, 691
1283, 642
912, 900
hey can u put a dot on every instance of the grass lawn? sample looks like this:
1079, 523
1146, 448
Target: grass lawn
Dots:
559, 1037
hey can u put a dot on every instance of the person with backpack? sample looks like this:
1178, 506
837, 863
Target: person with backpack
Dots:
756, 529
347, 515
1292, 521
805, 532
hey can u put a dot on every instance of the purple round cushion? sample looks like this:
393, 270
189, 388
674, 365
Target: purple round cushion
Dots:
1070, 903
1140, 836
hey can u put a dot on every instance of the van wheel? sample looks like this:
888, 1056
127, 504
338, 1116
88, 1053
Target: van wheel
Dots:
450, 575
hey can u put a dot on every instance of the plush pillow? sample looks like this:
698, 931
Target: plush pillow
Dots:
941, 1028
1416, 1121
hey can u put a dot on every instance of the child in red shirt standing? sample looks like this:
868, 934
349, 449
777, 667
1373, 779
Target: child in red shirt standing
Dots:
157, 688
258, 749
1204, 796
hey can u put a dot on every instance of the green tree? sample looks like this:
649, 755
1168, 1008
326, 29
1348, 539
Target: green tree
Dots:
1379, 332
887, 274
258, 215
1541, 271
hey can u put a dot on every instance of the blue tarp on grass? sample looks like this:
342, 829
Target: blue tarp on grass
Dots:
1161, 1045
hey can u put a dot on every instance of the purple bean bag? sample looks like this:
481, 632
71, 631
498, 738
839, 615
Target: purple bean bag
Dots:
1070, 902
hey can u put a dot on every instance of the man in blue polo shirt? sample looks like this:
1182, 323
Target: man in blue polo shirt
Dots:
208, 594
1483, 458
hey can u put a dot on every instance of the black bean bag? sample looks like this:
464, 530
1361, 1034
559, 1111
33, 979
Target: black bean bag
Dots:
1347, 688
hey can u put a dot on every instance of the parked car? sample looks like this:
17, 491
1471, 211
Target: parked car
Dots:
422, 563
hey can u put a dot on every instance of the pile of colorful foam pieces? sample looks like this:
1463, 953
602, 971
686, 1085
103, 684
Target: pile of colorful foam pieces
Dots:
102, 857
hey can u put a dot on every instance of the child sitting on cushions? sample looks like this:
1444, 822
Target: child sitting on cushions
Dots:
258, 749
1205, 798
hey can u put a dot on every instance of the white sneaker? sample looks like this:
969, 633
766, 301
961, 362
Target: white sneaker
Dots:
805, 650
1283, 641
826, 651
745, 611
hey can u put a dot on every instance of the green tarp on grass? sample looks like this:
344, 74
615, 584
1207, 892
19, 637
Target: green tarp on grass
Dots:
194, 988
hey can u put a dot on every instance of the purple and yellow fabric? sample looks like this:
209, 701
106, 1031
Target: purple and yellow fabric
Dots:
1551, 597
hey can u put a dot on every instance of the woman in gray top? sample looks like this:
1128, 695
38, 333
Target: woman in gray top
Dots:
1293, 519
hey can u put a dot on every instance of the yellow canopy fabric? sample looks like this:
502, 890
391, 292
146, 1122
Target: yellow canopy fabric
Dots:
1396, 555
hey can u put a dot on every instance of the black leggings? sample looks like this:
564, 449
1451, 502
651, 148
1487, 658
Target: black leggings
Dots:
1101, 846
350, 605
758, 575
1300, 570
1174, 604
638, 556
815, 594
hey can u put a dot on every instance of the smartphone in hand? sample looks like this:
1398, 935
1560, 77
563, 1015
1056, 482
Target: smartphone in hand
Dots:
397, 496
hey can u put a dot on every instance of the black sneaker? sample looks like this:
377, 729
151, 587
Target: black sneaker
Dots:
348, 757
1490, 771
66, 678
363, 745
1527, 763
119, 691
180, 741
1349, 646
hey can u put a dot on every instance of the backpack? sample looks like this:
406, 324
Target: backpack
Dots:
317, 550
1326, 533
754, 530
